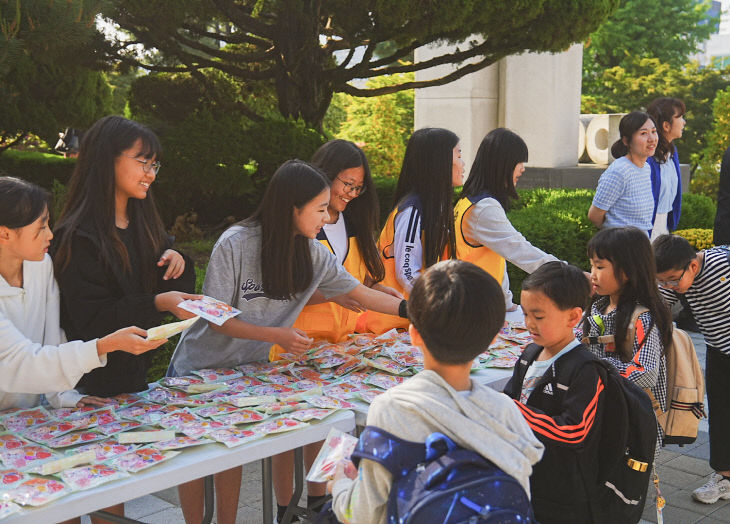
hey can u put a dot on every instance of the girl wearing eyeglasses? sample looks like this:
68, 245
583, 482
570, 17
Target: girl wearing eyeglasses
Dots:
420, 230
112, 255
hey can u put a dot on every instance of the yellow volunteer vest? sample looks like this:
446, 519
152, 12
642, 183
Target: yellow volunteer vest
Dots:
477, 254
373, 321
330, 321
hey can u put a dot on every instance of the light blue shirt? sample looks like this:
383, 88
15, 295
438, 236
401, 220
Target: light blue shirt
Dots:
624, 192
668, 187
538, 368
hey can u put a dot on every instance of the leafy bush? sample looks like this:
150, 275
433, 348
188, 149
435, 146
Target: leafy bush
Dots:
707, 178
39, 168
698, 211
698, 238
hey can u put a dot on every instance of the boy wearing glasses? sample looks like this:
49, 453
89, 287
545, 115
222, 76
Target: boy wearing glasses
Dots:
704, 279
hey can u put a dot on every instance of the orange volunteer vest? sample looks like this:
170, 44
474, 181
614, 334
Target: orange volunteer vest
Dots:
477, 254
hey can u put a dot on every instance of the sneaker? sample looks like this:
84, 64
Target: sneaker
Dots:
713, 490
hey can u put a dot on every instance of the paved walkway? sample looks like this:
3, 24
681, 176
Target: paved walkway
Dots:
681, 470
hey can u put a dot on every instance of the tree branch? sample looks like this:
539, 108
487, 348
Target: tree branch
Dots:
243, 20
238, 38
20, 137
222, 53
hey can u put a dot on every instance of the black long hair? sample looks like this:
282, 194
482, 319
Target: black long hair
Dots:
628, 125
21, 202
493, 168
286, 260
662, 110
629, 251
91, 202
427, 172
363, 212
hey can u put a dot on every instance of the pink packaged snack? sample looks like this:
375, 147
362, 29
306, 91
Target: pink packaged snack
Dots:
368, 395
245, 400
36, 492
71, 439
253, 368
306, 373
351, 364
134, 411
69, 413
106, 449
177, 420
217, 374
174, 382
179, 443
336, 448
308, 383
388, 365
241, 384
270, 389
277, 378
98, 417
279, 425
278, 408
357, 377
215, 410
124, 399
51, 430
343, 391
140, 459
384, 381
232, 437
308, 414
117, 427
201, 428
330, 361
329, 402
26, 418
87, 477
244, 416
162, 395
10, 441
9, 478
27, 457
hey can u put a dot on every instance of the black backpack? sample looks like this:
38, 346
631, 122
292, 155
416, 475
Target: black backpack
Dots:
439, 482
627, 441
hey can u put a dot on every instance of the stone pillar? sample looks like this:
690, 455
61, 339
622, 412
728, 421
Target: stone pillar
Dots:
537, 95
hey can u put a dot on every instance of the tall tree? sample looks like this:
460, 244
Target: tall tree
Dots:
291, 44
49, 68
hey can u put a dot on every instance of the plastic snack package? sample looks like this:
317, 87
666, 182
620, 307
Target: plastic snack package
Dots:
169, 330
27, 457
358, 377
244, 416
368, 395
71, 439
330, 361
276, 378
217, 374
232, 437
307, 383
71, 413
51, 430
9, 478
201, 428
133, 411
253, 368
27, 418
343, 390
177, 420
69, 461
384, 381
243, 401
176, 382
305, 415
271, 389
210, 309
179, 443
105, 450
124, 399
140, 459
163, 395
385, 364
279, 425
301, 395
36, 492
242, 383
329, 402
7, 508
279, 408
351, 364
212, 396
153, 417
336, 448
87, 477
12, 441
194, 389
117, 427
214, 411
142, 437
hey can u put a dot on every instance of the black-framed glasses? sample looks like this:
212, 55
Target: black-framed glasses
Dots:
147, 166
352, 188
673, 283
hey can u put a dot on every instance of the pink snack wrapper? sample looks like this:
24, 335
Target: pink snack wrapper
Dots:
87, 477
336, 448
38, 491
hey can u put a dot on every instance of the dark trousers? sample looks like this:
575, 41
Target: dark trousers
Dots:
717, 378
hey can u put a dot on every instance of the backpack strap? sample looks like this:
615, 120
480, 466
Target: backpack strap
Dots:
514, 385
395, 454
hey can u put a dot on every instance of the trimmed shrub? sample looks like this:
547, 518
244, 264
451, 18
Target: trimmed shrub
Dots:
698, 211
39, 168
697, 237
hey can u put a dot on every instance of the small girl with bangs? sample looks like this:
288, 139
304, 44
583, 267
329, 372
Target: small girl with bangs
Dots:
623, 277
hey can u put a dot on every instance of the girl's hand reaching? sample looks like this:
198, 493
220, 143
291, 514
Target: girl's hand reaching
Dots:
175, 264
168, 302
93, 401
293, 340
130, 340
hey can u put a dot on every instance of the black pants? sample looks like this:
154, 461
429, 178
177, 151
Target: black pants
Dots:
717, 378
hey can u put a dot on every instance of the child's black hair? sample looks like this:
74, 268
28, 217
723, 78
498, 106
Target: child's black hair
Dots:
629, 251
21, 202
458, 309
564, 284
672, 252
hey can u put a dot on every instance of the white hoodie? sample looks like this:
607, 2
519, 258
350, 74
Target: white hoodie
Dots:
33, 356
481, 419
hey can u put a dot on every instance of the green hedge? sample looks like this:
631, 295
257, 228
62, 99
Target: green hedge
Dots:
39, 168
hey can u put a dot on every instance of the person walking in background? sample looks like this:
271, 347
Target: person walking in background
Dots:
666, 177
624, 195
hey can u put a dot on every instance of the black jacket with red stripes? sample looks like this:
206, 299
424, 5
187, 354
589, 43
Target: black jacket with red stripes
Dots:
564, 411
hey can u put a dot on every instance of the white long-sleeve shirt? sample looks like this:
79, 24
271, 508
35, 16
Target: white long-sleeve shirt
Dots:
34, 355
488, 225
407, 247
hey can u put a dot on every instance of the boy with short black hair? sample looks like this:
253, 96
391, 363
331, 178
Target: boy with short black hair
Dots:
565, 413
456, 309
704, 279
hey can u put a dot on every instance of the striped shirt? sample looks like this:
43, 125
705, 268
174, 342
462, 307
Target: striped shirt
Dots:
709, 297
624, 192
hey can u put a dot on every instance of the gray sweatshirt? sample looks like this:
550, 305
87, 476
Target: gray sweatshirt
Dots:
482, 419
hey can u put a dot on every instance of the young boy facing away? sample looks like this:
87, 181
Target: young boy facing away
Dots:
563, 411
704, 278
456, 310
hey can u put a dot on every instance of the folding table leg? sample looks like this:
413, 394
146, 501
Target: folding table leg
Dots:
266, 490
114, 518
293, 507
209, 499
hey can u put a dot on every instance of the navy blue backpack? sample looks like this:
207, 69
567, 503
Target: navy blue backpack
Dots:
439, 482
